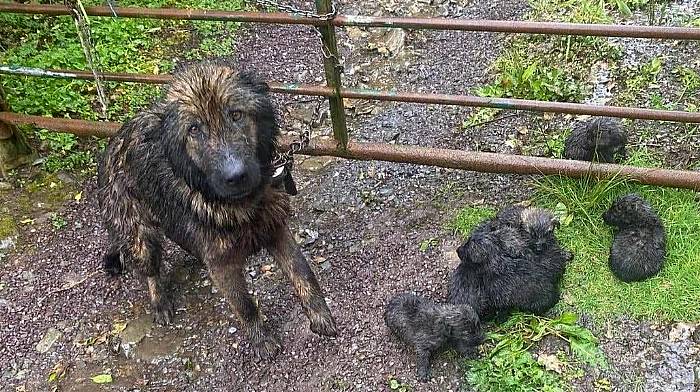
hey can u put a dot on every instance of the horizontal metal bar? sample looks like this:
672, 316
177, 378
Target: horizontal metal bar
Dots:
527, 27
455, 159
547, 28
440, 99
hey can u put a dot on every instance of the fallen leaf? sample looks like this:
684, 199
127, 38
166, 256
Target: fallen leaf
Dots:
118, 327
78, 196
102, 379
27, 221
550, 362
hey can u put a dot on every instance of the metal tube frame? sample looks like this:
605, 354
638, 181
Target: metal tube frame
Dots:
476, 161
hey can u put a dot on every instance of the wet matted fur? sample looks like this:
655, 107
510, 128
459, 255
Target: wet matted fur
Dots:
639, 247
430, 327
195, 168
600, 139
511, 262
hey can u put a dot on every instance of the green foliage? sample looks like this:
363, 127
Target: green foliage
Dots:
480, 116
398, 386
58, 222
588, 282
639, 81
427, 244
551, 68
130, 45
468, 218
509, 365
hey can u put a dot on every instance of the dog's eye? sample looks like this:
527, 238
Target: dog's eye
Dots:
236, 115
193, 129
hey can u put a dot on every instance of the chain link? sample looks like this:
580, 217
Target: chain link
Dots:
286, 159
296, 11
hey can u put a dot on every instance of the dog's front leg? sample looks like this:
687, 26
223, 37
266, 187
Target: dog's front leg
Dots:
423, 364
227, 275
288, 256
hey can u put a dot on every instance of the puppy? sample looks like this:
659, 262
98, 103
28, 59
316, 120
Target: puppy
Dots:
639, 246
511, 262
600, 139
430, 327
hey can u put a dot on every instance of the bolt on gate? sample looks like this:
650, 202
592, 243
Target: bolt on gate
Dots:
325, 19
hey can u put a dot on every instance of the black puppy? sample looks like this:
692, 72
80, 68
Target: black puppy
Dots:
512, 262
429, 327
639, 247
600, 139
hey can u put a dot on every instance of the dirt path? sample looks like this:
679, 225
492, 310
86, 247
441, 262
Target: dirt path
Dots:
361, 224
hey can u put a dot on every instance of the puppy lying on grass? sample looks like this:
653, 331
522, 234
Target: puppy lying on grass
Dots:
639, 246
430, 327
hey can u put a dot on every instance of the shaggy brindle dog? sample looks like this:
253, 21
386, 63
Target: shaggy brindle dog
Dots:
430, 327
639, 248
195, 168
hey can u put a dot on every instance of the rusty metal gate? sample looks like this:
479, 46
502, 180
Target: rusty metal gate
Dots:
325, 19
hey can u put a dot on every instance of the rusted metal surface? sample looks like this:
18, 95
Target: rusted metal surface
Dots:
455, 159
549, 28
507, 26
441, 99
332, 68
76, 127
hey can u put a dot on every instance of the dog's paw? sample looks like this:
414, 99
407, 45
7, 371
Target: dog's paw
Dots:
323, 324
423, 375
267, 348
163, 311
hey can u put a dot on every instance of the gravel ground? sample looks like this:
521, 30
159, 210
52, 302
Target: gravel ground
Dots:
360, 224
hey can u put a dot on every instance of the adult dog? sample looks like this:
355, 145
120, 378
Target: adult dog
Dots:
195, 168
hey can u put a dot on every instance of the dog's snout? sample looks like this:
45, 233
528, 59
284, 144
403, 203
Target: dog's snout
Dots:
234, 172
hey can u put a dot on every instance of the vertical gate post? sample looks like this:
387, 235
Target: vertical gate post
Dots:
332, 67
14, 149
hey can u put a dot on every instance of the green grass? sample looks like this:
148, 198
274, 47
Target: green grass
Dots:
509, 366
588, 284
549, 68
122, 44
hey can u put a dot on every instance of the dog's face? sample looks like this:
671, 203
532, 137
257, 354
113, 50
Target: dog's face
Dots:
628, 210
223, 127
539, 225
461, 326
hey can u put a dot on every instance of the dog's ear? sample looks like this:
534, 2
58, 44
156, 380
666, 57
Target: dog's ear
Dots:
462, 252
256, 83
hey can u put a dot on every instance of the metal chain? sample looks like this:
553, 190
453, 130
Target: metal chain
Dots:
286, 159
296, 11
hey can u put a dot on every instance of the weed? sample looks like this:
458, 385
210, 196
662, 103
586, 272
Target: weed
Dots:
398, 386
58, 222
427, 244
480, 116
638, 81
509, 366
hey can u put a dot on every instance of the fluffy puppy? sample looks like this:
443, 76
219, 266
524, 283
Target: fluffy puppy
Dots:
600, 139
511, 262
499, 273
639, 246
430, 327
